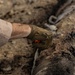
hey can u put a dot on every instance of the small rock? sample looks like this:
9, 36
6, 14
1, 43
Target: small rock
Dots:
51, 27
7, 68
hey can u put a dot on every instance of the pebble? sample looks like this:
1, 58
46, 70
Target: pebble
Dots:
13, 42
7, 69
51, 27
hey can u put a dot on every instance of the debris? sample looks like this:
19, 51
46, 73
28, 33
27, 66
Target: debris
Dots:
51, 27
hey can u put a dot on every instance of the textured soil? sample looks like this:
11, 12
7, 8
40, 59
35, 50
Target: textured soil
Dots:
27, 11
16, 57
63, 46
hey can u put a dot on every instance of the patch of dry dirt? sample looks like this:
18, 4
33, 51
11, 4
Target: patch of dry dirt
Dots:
23, 11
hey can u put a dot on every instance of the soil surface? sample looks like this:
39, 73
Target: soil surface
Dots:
26, 11
16, 57
61, 55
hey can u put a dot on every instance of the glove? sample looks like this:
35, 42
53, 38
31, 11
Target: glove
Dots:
41, 38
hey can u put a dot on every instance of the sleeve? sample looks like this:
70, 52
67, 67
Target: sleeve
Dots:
5, 31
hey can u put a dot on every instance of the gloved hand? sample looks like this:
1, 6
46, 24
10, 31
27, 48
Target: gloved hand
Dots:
41, 38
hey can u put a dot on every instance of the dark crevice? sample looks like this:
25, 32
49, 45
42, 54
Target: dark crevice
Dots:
72, 50
58, 6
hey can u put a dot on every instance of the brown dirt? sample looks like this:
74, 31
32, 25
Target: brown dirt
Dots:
23, 11
66, 38
63, 47
16, 57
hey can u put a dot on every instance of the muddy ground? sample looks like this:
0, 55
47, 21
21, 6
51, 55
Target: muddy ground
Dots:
16, 57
